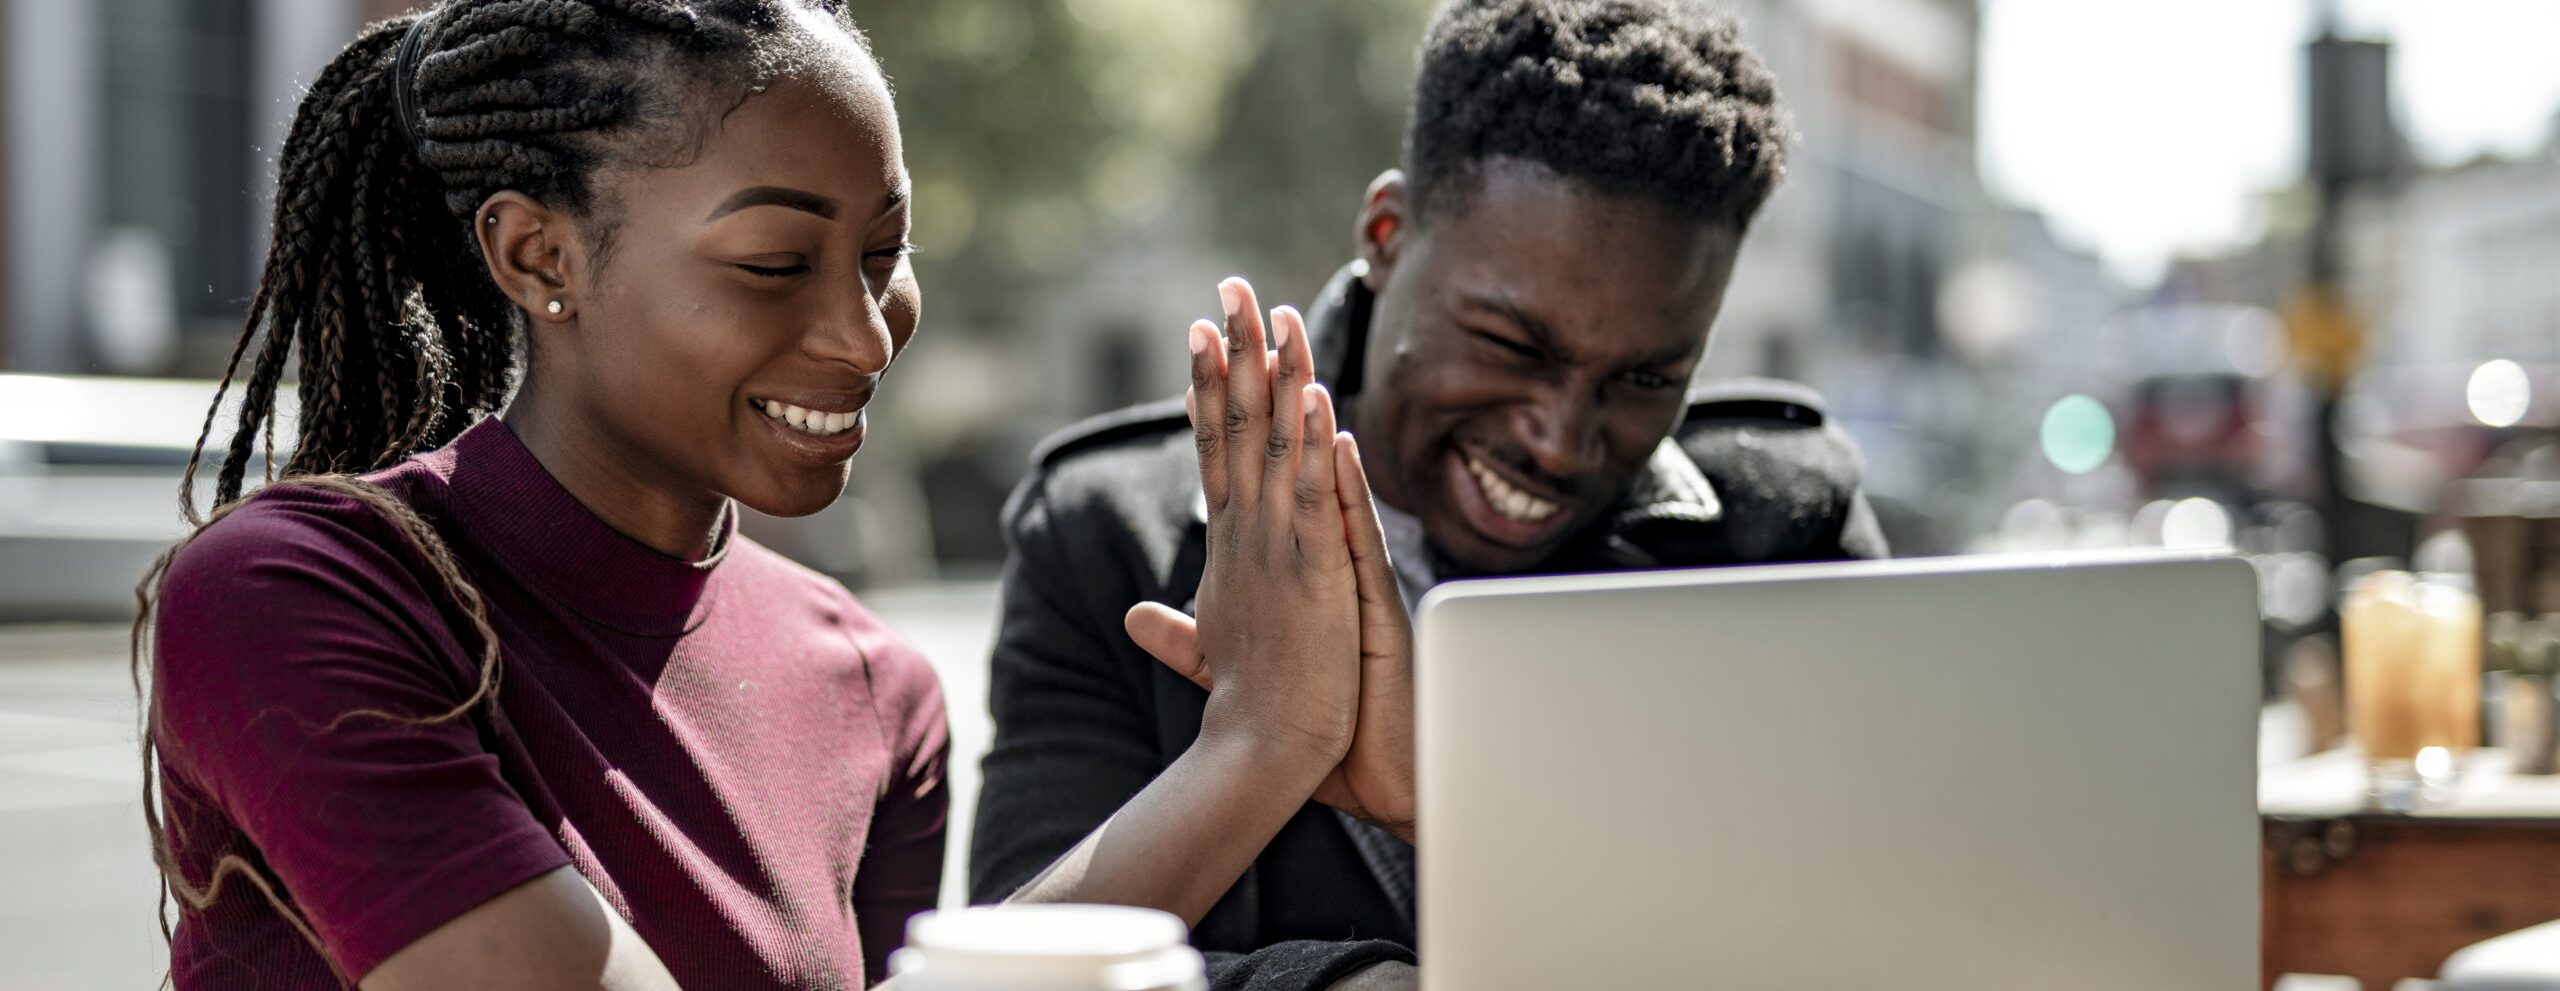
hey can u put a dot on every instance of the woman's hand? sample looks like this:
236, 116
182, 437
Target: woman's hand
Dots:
1375, 779
1279, 608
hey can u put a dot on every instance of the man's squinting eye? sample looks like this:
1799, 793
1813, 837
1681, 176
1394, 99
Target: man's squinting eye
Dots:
1505, 343
1651, 380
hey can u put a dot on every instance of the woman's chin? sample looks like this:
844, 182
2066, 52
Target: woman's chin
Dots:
799, 496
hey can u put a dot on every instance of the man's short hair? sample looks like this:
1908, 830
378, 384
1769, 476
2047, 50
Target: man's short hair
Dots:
1651, 98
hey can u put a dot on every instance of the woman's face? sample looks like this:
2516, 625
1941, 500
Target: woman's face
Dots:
747, 301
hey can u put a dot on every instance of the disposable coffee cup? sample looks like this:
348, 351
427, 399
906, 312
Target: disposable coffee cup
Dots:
1048, 948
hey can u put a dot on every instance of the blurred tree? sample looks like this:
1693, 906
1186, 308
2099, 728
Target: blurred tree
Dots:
1317, 112
1036, 128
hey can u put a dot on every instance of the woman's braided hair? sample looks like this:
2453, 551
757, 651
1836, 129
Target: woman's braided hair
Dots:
374, 276
374, 287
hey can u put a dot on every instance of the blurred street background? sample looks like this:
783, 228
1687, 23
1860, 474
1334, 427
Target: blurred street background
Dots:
2276, 274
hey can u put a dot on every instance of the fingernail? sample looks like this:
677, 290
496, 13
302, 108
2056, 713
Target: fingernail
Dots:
1231, 296
1198, 338
1279, 330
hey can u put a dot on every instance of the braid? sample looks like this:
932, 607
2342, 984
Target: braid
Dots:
374, 290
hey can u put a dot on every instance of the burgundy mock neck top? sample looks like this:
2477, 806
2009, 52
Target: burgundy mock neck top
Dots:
746, 764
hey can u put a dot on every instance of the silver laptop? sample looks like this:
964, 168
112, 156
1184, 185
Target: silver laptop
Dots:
1993, 774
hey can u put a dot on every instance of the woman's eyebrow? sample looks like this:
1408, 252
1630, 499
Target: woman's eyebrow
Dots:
801, 200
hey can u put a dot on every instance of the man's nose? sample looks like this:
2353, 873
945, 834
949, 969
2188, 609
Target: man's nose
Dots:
1564, 432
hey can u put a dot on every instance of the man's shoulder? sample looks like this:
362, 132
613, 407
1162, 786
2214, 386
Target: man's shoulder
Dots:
1122, 432
1774, 402
1775, 460
1136, 464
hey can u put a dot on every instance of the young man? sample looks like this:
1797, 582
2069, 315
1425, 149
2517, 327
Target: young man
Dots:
1512, 349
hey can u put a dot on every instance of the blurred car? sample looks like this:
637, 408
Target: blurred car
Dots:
2409, 431
89, 470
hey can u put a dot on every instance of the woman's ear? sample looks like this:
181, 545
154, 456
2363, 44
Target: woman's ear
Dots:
1385, 223
532, 251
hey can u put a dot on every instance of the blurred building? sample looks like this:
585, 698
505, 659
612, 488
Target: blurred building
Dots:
136, 141
1850, 254
137, 168
2477, 248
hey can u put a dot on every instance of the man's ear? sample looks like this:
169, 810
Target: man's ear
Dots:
532, 252
1386, 220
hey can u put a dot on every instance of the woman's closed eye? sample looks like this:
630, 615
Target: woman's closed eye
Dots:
783, 270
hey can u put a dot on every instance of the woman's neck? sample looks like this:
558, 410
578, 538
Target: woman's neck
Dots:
628, 489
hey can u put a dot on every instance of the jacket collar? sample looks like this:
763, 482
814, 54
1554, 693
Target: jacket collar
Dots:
1669, 491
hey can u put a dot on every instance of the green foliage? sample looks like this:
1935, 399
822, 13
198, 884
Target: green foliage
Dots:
1034, 126
1316, 114
1040, 130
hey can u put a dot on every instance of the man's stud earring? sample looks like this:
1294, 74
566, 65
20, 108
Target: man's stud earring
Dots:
554, 307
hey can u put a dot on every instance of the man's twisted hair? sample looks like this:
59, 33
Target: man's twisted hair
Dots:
374, 284
1651, 98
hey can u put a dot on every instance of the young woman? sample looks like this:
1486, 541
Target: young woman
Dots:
506, 702
516, 707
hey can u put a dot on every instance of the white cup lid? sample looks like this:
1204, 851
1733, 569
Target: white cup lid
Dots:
1097, 947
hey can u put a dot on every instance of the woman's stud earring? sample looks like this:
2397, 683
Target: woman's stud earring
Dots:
490, 219
554, 307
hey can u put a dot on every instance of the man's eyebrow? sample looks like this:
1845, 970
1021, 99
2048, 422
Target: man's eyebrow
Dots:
801, 200
1665, 358
1539, 332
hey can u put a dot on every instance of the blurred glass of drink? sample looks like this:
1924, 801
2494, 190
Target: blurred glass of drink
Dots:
2412, 647
2448, 682
2380, 629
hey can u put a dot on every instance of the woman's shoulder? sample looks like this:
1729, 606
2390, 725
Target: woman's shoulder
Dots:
303, 598
295, 522
780, 583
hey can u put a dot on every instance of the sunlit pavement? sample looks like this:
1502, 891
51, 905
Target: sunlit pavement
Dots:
77, 896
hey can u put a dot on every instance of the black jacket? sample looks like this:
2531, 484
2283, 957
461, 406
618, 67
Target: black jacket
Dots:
1110, 516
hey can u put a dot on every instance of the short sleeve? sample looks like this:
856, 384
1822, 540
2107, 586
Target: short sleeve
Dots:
901, 872
300, 667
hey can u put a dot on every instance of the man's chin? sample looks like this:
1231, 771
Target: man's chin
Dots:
1468, 554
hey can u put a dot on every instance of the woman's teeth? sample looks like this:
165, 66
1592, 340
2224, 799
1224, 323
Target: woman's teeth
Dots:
1506, 500
807, 421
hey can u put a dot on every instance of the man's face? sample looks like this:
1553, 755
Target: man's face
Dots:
1529, 349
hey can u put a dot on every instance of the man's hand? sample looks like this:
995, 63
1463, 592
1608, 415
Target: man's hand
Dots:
1375, 779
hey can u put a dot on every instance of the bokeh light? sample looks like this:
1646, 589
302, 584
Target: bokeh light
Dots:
2195, 523
2078, 434
2500, 393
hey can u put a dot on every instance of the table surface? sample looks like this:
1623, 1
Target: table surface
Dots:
2332, 784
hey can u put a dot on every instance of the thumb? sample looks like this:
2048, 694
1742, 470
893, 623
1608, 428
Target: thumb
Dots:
1172, 638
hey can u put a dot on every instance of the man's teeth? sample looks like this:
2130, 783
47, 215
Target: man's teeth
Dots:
807, 421
1509, 501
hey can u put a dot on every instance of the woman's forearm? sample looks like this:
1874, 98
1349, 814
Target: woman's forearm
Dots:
1183, 840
